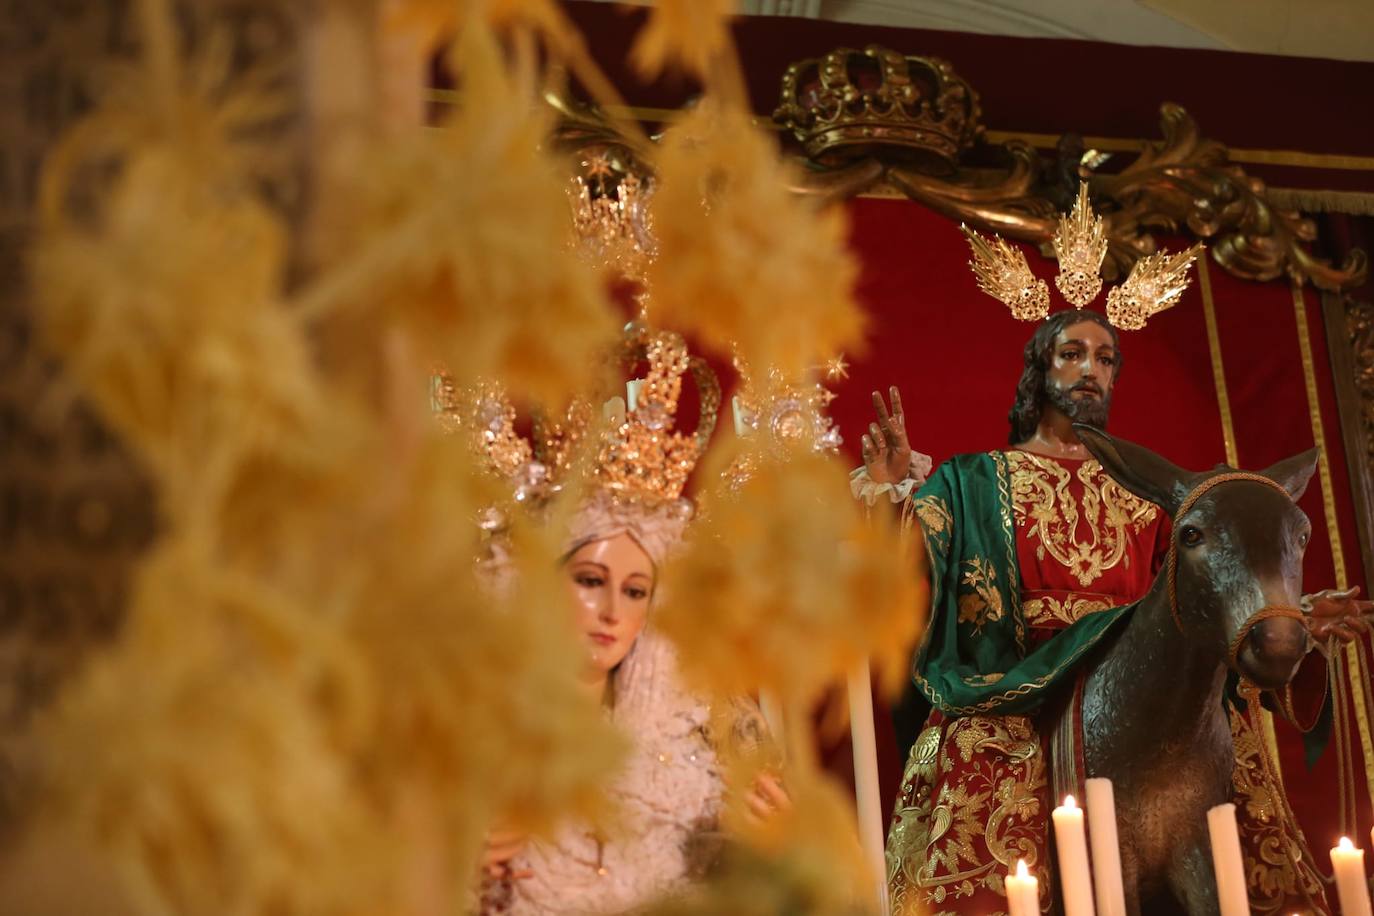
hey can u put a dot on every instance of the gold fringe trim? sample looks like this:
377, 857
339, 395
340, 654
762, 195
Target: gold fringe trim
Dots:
1312, 200
1209, 313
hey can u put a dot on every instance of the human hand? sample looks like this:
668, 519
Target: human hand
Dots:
1338, 614
500, 847
886, 452
767, 797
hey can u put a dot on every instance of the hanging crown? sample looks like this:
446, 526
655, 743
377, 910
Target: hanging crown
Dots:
840, 105
1155, 283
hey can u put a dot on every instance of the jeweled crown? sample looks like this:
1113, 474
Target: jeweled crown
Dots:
640, 456
839, 105
645, 458
1155, 283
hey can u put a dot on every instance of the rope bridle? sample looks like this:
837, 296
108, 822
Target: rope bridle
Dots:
1265, 613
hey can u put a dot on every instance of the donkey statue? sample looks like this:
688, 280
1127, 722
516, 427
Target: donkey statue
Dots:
1153, 720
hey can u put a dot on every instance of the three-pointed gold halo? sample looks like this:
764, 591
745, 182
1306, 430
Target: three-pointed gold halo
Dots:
1155, 283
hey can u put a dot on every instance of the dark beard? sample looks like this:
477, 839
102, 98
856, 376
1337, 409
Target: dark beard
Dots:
1089, 411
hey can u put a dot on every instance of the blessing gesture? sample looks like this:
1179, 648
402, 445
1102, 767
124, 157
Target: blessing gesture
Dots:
887, 454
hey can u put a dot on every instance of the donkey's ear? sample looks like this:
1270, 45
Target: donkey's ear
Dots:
1136, 468
1293, 474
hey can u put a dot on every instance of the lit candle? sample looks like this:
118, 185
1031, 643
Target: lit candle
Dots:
1075, 879
1227, 862
1110, 895
1351, 885
1023, 892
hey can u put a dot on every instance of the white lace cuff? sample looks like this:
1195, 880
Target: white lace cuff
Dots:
862, 486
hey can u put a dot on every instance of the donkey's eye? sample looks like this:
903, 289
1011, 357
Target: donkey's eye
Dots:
1189, 536
1304, 538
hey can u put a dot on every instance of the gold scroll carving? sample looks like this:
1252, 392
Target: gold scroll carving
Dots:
912, 123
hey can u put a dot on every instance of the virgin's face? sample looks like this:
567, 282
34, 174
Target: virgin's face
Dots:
612, 581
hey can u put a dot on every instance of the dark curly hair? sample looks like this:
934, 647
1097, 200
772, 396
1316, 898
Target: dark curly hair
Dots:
1030, 391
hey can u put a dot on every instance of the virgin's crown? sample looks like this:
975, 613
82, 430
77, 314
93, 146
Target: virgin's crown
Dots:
645, 458
638, 455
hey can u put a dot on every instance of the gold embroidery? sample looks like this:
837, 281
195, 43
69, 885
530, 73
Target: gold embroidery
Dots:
935, 516
965, 817
1279, 876
984, 603
999, 463
924, 753
1046, 610
1042, 502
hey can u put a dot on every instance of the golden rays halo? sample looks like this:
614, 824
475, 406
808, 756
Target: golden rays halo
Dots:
1155, 283
1080, 244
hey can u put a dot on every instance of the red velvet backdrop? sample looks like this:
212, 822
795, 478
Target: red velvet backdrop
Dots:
955, 353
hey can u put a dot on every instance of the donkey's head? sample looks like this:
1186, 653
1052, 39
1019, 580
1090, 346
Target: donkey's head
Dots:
1239, 547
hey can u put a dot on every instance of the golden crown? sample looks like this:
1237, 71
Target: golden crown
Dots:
645, 458
841, 104
1155, 283
640, 456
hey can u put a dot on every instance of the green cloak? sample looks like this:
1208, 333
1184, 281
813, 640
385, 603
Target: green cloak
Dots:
974, 656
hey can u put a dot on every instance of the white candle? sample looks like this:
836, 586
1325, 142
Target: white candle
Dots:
1109, 893
862, 736
1351, 885
1075, 879
1023, 892
1227, 862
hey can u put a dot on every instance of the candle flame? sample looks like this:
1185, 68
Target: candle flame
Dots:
1345, 844
1069, 802
1021, 870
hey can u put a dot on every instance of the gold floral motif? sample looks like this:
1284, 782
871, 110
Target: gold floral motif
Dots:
1048, 609
935, 516
1280, 877
924, 754
962, 820
984, 603
1042, 502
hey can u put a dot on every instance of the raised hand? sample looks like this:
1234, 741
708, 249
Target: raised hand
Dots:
766, 798
887, 454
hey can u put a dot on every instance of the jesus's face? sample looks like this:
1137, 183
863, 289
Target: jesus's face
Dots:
1081, 371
